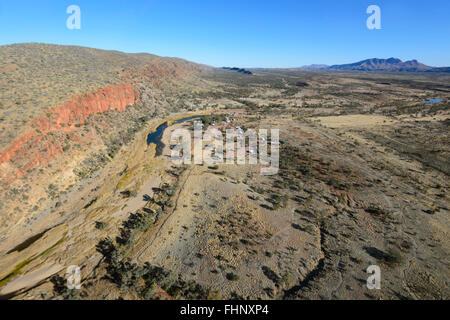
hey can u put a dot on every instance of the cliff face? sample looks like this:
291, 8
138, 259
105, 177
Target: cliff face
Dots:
36, 148
115, 97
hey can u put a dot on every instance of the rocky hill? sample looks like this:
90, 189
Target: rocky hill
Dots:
49, 89
65, 111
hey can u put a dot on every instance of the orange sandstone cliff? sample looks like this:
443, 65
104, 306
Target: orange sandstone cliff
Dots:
35, 148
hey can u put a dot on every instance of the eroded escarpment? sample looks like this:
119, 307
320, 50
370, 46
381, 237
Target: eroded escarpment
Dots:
36, 149
57, 88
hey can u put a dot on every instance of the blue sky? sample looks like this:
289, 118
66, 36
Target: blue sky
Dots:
244, 33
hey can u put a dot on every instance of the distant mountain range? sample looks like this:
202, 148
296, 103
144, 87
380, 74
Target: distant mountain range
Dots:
385, 65
316, 67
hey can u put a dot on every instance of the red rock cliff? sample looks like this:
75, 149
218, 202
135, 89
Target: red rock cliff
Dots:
36, 149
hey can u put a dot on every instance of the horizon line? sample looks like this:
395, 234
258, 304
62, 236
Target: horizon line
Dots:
300, 66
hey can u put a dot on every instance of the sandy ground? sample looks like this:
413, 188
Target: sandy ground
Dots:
356, 120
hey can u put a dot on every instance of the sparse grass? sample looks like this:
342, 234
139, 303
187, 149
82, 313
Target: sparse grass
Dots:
14, 272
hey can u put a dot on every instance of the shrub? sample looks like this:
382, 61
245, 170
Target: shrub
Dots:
232, 277
269, 273
101, 225
393, 256
61, 289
